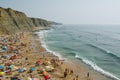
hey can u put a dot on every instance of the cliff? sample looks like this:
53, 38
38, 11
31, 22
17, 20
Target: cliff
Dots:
40, 22
12, 21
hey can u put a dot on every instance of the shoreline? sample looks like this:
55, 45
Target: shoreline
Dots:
30, 51
85, 69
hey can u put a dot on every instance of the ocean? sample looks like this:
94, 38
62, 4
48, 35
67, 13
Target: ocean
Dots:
96, 45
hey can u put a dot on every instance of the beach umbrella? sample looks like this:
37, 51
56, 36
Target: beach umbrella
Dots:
4, 48
32, 68
29, 78
20, 70
2, 73
24, 69
9, 67
1, 67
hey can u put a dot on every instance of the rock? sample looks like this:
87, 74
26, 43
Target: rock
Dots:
12, 21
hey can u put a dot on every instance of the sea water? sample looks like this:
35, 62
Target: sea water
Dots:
96, 45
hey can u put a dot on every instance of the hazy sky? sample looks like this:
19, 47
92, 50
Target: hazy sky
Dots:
69, 11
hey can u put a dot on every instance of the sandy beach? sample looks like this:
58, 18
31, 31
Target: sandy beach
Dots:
80, 70
33, 62
59, 40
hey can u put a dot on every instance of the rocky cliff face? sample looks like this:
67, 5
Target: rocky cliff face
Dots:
40, 22
12, 21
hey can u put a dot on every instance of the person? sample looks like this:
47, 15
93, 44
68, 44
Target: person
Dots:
44, 72
37, 62
65, 74
45, 62
73, 78
26, 59
76, 77
88, 75
71, 72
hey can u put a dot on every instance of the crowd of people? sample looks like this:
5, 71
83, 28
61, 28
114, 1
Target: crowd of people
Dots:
18, 62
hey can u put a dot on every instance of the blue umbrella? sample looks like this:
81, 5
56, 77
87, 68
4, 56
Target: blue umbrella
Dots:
1, 67
4, 48
20, 70
32, 68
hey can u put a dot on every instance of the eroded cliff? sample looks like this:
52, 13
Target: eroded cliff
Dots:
12, 21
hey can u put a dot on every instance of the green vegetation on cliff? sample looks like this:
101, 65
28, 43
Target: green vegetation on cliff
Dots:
12, 21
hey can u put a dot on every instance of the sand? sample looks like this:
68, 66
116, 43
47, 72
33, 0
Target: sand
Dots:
80, 69
33, 51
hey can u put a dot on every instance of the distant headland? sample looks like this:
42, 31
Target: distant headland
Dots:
12, 21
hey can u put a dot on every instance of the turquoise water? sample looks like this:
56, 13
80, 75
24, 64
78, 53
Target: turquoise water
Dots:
96, 45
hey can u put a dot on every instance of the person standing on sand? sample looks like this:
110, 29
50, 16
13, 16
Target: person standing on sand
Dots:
38, 62
76, 77
26, 60
88, 75
65, 73
71, 72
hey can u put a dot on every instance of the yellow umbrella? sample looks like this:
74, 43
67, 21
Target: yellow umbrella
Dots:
2, 73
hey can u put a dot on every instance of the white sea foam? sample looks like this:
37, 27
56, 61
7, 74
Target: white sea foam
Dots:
97, 68
42, 35
77, 56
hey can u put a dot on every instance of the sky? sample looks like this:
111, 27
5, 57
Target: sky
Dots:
69, 11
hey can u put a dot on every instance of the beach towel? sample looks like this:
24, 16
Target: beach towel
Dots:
46, 77
49, 68
33, 78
